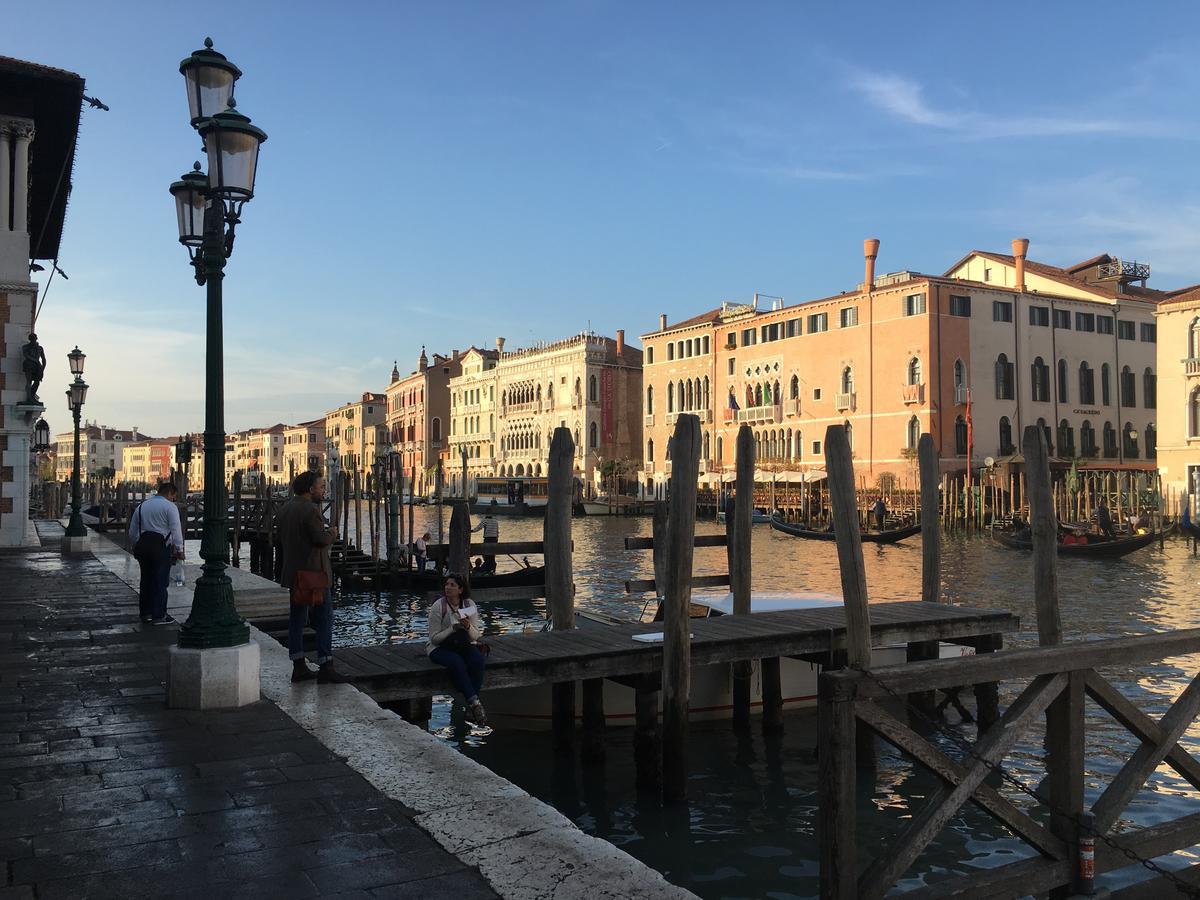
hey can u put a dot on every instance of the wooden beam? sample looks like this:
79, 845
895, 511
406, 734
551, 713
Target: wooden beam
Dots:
931, 528
738, 535
676, 668
987, 798
701, 540
1142, 726
849, 546
645, 585
944, 803
1147, 758
1016, 664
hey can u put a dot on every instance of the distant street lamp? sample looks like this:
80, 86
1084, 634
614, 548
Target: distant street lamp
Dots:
41, 436
209, 209
76, 396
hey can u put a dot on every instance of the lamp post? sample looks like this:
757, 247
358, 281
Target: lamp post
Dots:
208, 208
76, 396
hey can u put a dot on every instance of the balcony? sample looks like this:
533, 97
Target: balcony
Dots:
844, 402
648, 421
648, 468
769, 413
960, 395
791, 407
531, 407
705, 416
1191, 366
913, 393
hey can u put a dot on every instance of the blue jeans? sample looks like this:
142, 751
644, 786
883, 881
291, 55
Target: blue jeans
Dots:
321, 618
465, 668
155, 575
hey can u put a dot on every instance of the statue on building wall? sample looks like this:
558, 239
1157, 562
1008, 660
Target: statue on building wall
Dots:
33, 364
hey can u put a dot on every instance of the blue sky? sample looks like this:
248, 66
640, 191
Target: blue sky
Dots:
444, 173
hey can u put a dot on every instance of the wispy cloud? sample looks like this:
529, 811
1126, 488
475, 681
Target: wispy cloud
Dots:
904, 98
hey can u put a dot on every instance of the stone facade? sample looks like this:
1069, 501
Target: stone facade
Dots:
474, 409
902, 354
256, 453
418, 414
304, 448
352, 431
1179, 387
100, 448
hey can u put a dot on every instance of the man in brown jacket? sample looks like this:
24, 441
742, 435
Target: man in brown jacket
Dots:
304, 541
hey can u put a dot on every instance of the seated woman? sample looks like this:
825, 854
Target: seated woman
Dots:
454, 631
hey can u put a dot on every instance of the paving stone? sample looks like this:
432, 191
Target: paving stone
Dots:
58, 786
106, 799
113, 859
380, 871
462, 885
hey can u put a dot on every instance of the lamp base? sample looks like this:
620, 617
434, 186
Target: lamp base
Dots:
216, 678
74, 546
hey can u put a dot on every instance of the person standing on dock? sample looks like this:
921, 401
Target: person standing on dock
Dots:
156, 540
304, 541
454, 633
879, 512
421, 551
1104, 519
491, 535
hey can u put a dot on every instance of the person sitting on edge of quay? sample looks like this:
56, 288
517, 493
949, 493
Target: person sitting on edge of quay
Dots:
454, 633
156, 539
491, 535
304, 541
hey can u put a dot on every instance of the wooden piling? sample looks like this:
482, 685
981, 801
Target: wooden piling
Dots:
772, 695
738, 536
1045, 536
647, 745
931, 532
237, 519
412, 497
593, 721
556, 537
849, 546
659, 530
459, 559
681, 537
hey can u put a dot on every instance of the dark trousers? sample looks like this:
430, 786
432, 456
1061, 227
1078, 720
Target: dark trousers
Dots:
489, 562
879, 518
321, 618
465, 668
155, 568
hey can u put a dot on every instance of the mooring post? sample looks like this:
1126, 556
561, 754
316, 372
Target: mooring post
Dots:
681, 536
837, 852
659, 531
1064, 718
647, 739
593, 721
412, 503
844, 508
237, 518
737, 545
459, 558
925, 702
556, 537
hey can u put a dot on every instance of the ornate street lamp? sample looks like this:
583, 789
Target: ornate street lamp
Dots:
76, 397
208, 209
41, 436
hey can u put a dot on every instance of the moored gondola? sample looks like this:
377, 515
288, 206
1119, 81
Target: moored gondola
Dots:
530, 576
1094, 549
890, 536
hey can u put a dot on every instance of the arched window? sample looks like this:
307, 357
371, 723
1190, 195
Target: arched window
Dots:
649, 356
1062, 381
593, 394
1128, 388
1066, 439
1149, 389
1105, 385
650, 400
1151, 441
670, 351
1087, 383
578, 389
706, 345
578, 445
593, 436
1193, 415
1110, 440
778, 396
960, 436
539, 393
849, 434
847, 380
758, 395
960, 374
706, 446
914, 371
1041, 423
1006, 441
1130, 439
794, 389
1087, 439
437, 428
550, 395
720, 449
1194, 339
691, 397
707, 398
1040, 381
1004, 378
914, 433
670, 396
688, 347
798, 445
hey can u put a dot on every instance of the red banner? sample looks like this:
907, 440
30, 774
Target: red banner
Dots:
608, 419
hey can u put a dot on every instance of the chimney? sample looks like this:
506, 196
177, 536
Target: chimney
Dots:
1020, 246
499, 345
454, 357
870, 251
662, 321
620, 341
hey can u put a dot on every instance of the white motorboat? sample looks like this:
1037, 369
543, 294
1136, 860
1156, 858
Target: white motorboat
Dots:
528, 708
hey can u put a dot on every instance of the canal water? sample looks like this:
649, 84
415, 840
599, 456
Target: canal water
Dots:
748, 828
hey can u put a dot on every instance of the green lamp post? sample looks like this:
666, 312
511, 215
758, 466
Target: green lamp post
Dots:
76, 395
208, 208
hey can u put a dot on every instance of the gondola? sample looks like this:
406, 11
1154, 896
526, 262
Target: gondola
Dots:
868, 537
1094, 549
530, 576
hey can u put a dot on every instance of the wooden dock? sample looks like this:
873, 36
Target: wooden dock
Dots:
402, 671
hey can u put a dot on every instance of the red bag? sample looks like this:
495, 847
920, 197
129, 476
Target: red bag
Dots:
309, 588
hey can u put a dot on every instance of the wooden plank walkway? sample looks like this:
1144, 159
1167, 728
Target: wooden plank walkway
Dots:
402, 671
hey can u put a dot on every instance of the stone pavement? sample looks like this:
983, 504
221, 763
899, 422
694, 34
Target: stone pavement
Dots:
104, 792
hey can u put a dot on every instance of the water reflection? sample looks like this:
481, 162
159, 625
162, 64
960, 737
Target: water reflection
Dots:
748, 829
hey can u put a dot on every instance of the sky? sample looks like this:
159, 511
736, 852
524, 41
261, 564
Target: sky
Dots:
441, 174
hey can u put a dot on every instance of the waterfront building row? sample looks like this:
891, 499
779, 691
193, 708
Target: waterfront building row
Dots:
972, 356
1179, 380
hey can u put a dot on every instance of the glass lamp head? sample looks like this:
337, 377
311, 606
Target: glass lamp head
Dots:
41, 436
191, 199
76, 358
78, 392
232, 145
209, 77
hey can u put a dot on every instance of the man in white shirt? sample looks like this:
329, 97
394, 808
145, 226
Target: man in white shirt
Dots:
156, 539
491, 535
